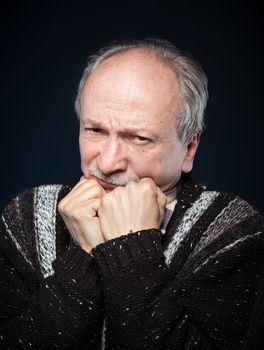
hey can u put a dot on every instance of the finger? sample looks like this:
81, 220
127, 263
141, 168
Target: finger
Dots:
79, 183
87, 187
148, 180
162, 201
94, 205
79, 196
162, 198
149, 185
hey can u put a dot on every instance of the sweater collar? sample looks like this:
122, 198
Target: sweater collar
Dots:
172, 193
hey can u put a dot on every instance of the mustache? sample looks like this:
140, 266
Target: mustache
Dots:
117, 179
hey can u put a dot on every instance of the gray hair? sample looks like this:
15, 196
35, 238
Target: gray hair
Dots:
190, 75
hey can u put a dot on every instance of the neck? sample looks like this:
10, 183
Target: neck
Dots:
172, 193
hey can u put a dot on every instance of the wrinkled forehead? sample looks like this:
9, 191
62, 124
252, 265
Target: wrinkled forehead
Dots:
135, 78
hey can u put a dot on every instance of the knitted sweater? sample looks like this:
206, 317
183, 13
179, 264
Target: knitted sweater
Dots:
198, 286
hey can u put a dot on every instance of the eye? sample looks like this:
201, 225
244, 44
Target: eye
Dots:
93, 130
93, 133
142, 140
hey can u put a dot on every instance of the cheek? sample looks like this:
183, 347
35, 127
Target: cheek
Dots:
87, 152
148, 165
163, 166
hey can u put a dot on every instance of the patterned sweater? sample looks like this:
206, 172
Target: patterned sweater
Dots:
198, 286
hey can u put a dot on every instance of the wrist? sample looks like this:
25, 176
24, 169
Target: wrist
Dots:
129, 250
79, 266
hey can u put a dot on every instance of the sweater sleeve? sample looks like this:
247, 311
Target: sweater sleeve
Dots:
61, 311
211, 304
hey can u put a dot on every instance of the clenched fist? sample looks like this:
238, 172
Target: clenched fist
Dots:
137, 206
79, 211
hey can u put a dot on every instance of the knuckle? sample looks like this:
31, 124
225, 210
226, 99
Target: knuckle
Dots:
131, 184
61, 206
78, 213
92, 182
148, 187
106, 200
117, 191
100, 191
95, 187
147, 180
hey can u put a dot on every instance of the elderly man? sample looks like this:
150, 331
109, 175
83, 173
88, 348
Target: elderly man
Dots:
137, 255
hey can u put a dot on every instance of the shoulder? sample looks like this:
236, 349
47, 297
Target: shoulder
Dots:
43, 198
29, 223
212, 233
217, 206
230, 223
206, 221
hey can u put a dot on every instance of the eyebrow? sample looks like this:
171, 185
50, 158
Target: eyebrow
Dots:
92, 122
99, 125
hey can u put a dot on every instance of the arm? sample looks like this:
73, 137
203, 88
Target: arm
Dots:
209, 306
63, 310
204, 301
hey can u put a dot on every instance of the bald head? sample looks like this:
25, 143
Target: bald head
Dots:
191, 80
135, 80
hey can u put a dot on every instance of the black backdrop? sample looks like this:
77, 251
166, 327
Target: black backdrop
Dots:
44, 50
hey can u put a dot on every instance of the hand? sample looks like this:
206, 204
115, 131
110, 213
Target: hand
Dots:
79, 211
138, 206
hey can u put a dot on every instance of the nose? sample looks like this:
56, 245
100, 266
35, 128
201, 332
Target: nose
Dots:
112, 156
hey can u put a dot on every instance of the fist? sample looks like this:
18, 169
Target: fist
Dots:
79, 210
137, 206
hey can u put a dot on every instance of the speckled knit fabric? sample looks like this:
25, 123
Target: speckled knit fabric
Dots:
198, 286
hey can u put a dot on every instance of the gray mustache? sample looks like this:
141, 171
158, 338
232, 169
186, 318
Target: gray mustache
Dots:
114, 179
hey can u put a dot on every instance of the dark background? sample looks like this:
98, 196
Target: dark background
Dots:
44, 47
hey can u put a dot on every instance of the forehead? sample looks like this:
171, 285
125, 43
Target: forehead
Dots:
135, 83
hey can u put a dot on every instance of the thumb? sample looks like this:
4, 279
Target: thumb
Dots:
94, 206
162, 201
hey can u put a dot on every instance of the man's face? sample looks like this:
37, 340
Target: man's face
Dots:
128, 123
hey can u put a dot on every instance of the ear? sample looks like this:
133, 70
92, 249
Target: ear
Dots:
191, 148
